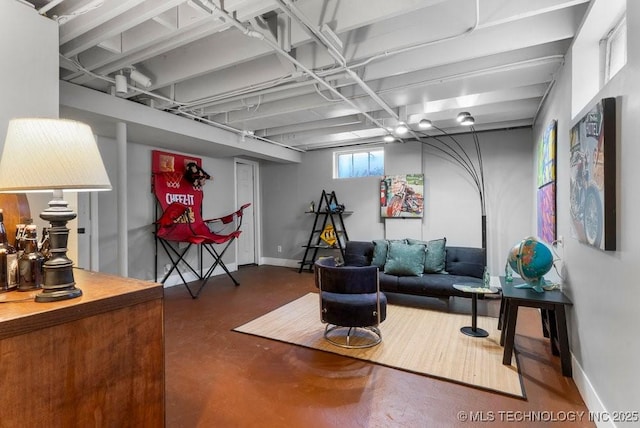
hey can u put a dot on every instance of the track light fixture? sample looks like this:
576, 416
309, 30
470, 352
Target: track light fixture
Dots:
462, 116
402, 128
389, 138
468, 121
425, 124
121, 84
140, 78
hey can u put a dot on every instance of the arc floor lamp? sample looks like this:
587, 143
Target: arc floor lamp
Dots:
447, 145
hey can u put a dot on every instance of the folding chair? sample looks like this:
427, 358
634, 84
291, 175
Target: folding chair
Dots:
181, 226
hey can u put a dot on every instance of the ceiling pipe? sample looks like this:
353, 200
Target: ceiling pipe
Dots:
291, 10
240, 132
258, 35
241, 93
424, 44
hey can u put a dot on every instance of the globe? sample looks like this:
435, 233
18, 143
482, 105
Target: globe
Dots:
531, 260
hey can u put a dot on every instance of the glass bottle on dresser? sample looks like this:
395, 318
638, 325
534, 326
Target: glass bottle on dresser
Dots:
8, 260
30, 262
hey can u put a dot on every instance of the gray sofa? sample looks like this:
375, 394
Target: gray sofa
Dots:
462, 265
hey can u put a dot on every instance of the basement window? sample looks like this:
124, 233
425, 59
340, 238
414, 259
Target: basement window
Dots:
358, 163
615, 49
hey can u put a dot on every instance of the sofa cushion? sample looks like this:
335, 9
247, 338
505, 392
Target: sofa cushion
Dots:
465, 261
358, 253
404, 259
434, 285
379, 252
380, 248
435, 255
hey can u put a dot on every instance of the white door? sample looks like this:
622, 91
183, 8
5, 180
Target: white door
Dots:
245, 193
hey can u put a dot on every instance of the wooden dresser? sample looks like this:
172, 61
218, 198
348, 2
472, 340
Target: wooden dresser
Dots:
93, 361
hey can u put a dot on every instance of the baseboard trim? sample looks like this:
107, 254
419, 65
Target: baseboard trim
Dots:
280, 262
590, 397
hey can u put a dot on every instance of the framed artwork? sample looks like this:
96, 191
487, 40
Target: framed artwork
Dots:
402, 196
592, 185
547, 212
547, 184
547, 155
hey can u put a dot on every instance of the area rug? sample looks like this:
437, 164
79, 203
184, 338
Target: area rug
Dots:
416, 340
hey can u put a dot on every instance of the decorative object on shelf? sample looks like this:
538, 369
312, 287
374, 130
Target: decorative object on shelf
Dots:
547, 184
62, 155
592, 183
402, 196
531, 260
328, 235
312, 207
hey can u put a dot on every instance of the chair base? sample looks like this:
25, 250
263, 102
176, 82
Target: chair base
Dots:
356, 337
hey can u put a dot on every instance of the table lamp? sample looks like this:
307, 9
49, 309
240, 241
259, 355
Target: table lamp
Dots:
44, 155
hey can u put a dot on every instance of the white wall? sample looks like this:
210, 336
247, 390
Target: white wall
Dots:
452, 207
604, 285
29, 82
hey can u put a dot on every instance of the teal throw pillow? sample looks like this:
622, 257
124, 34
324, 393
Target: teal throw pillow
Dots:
380, 248
435, 256
379, 252
404, 259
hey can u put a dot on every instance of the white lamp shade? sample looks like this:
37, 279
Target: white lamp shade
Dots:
45, 154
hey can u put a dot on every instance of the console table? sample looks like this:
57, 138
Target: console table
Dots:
554, 321
97, 360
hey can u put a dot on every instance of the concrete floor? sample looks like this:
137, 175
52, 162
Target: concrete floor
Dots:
219, 378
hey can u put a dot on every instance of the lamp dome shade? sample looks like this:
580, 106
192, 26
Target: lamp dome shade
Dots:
42, 154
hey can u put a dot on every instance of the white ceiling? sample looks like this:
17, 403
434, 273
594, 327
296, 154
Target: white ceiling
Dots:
263, 67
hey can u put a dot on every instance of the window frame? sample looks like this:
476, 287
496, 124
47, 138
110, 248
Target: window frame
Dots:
368, 150
617, 35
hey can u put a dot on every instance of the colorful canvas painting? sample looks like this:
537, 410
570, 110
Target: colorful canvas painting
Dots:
592, 184
402, 196
547, 184
547, 212
547, 155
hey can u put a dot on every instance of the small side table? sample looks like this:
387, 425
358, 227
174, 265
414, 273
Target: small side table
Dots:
554, 321
474, 289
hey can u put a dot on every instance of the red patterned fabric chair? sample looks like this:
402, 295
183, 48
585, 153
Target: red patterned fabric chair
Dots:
181, 226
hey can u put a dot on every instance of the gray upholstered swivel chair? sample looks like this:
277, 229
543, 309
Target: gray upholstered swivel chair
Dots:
351, 303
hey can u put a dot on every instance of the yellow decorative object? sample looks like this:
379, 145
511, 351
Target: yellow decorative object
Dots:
328, 235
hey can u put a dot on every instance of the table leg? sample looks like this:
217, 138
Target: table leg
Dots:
563, 340
501, 314
544, 314
510, 332
474, 331
553, 331
505, 320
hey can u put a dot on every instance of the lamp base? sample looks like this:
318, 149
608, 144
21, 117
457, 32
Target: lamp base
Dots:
58, 282
55, 296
